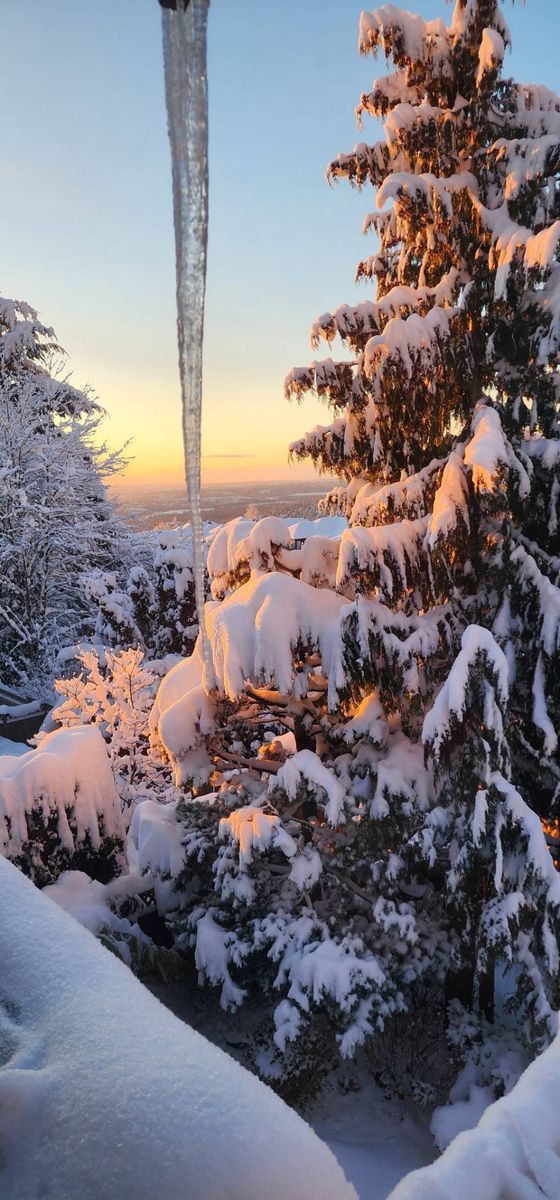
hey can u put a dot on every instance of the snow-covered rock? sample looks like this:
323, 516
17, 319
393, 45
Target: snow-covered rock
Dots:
105, 1094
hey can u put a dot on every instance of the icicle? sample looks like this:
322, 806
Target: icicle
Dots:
186, 88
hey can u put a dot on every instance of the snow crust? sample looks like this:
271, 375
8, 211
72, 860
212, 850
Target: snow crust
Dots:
105, 1094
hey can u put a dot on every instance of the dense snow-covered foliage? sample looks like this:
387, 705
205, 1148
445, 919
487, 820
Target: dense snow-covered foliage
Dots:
104, 1093
154, 607
363, 758
56, 519
395, 844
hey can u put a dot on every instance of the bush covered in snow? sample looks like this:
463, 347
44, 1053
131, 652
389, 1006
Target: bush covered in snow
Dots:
59, 808
154, 607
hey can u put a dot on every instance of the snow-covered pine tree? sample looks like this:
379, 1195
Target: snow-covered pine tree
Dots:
56, 518
174, 609
446, 439
402, 845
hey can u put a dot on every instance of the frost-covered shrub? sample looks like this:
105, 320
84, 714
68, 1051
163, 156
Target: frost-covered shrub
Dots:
114, 692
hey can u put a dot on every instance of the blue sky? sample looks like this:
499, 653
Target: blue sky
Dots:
86, 208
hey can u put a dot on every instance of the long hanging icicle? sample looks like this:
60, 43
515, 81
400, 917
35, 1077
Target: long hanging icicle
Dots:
186, 90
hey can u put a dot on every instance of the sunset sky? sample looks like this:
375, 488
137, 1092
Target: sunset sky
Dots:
87, 225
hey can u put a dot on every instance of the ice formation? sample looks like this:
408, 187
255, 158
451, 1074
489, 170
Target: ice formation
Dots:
184, 42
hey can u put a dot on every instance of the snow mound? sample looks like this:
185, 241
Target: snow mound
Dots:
69, 778
513, 1152
327, 527
104, 1093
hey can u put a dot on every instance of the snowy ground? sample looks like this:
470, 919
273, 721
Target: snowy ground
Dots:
8, 747
104, 1094
375, 1144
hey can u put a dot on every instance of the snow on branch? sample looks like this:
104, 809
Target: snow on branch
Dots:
305, 772
254, 828
262, 543
414, 344
404, 37
540, 713
515, 246
490, 456
433, 192
411, 497
248, 642
451, 503
541, 597
364, 164
182, 730
390, 647
451, 702
355, 324
524, 160
334, 382
386, 557
490, 55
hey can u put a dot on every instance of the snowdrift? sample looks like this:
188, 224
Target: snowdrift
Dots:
104, 1094
514, 1152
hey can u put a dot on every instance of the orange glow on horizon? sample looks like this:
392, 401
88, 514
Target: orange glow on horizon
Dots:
244, 437
252, 470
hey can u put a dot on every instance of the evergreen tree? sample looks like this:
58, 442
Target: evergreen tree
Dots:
155, 608
174, 608
56, 518
402, 844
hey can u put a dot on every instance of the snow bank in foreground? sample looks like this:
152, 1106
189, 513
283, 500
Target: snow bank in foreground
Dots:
514, 1152
104, 1094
